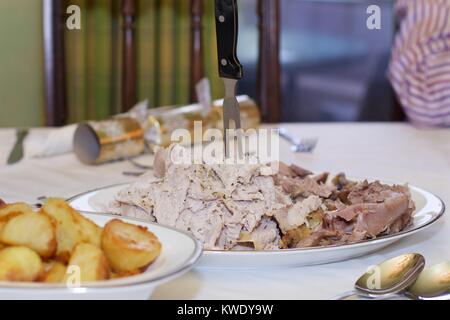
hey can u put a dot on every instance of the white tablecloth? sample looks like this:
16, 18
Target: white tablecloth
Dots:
395, 152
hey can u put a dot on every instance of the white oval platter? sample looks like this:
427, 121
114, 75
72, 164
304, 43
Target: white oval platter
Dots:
429, 210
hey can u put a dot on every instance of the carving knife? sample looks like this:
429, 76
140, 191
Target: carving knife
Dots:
230, 69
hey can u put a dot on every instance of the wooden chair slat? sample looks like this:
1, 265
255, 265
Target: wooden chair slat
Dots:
54, 63
269, 70
196, 48
129, 55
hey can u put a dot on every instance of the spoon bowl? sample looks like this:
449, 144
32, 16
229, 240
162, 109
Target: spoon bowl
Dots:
402, 278
432, 284
392, 276
388, 279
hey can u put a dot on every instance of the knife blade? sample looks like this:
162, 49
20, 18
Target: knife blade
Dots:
230, 69
17, 152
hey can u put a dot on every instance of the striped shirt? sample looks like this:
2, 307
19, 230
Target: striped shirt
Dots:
420, 64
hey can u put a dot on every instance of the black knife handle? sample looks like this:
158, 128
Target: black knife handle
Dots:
227, 27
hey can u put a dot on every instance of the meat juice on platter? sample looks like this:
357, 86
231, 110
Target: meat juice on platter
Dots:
253, 207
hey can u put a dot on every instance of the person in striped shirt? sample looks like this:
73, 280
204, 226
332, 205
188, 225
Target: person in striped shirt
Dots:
420, 65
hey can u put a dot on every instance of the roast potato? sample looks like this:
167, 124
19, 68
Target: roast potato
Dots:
91, 232
71, 228
11, 210
54, 273
19, 264
115, 276
91, 263
33, 230
2, 224
129, 248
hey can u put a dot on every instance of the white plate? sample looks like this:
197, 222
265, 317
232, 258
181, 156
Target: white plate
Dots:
180, 252
429, 210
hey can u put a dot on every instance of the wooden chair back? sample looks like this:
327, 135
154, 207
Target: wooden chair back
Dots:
269, 74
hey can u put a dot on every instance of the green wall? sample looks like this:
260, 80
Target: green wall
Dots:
21, 67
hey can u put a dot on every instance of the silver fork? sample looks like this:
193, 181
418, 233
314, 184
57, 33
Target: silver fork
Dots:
307, 145
140, 166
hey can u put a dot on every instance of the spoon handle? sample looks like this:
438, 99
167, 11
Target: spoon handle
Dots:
356, 295
351, 295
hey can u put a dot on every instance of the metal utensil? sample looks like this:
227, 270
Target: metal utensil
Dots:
17, 152
432, 284
389, 278
142, 167
139, 165
134, 174
230, 69
306, 145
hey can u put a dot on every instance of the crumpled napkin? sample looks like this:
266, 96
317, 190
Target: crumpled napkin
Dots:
48, 142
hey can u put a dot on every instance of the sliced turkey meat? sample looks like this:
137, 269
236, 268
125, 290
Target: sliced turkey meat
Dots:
305, 187
237, 207
375, 218
215, 203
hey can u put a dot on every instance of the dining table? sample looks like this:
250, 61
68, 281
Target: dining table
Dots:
397, 152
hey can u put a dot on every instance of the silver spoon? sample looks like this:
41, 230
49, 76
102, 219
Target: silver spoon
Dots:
388, 278
432, 284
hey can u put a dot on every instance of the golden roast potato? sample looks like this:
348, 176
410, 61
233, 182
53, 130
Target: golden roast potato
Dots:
71, 228
129, 248
33, 230
2, 224
54, 273
11, 210
115, 276
92, 233
89, 262
83, 251
19, 264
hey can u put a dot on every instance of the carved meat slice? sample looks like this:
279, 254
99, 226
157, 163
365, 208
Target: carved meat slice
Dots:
215, 203
306, 187
228, 207
265, 237
297, 215
204, 221
316, 239
386, 209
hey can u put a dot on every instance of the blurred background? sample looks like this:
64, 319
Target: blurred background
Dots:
333, 67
